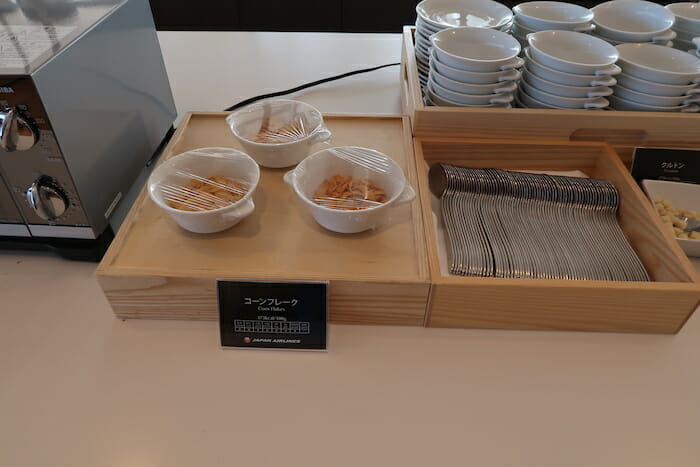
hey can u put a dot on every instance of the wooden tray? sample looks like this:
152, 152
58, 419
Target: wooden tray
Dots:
154, 269
623, 129
661, 306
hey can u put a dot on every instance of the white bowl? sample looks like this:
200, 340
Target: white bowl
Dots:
445, 102
650, 99
631, 20
552, 15
473, 77
662, 40
564, 102
205, 162
476, 49
564, 90
687, 16
247, 122
468, 88
659, 64
528, 102
569, 79
426, 28
469, 99
619, 103
657, 89
366, 164
684, 196
456, 13
572, 52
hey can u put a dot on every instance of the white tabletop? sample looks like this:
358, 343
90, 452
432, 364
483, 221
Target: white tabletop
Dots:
81, 388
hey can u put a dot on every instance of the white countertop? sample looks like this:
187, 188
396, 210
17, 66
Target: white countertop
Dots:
81, 388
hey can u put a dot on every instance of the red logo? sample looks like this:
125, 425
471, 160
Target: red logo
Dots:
246, 340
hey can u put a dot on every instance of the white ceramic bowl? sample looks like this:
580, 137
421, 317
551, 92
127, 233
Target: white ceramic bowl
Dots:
528, 102
685, 196
657, 89
369, 165
572, 52
664, 39
469, 99
246, 123
445, 102
631, 20
687, 16
569, 79
619, 103
473, 77
205, 162
456, 13
650, 99
468, 88
659, 64
426, 28
553, 15
564, 90
476, 49
563, 102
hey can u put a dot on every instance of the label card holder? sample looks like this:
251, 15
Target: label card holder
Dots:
675, 165
273, 315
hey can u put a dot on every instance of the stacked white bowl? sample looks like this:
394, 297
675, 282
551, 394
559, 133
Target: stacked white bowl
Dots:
633, 21
567, 70
435, 15
657, 79
473, 67
531, 17
687, 25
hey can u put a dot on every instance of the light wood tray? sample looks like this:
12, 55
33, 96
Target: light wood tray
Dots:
624, 130
661, 306
154, 269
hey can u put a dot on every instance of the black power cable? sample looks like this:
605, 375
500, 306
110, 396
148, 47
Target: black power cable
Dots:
307, 85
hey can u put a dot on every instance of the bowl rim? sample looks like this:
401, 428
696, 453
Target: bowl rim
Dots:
682, 5
518, 11
668, 14
319, 154
604, 45
151, 185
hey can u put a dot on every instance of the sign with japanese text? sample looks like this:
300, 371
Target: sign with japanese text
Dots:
675, 165
273, 315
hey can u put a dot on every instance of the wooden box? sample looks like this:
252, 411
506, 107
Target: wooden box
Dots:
661, 306
154, 269
625, 130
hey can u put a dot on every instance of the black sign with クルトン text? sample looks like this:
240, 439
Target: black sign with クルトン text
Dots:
675, 165
273, 315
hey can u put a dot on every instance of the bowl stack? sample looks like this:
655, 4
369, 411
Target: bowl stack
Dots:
567, 70
473, 67
656, 79
435, 15
687, 25
532, 17
633, 21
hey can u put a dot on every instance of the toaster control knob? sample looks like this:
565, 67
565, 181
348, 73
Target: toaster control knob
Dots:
16, 132
47, 198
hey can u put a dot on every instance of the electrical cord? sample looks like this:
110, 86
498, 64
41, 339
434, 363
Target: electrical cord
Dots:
306, 85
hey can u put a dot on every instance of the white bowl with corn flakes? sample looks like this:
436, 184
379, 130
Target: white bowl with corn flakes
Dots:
673, 201
206, 190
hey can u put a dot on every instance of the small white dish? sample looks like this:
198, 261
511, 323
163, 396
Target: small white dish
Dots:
476, 49
300, 127
441, 101
572, 52
684, 196
469, 99
552, 15
458, 13
563, 102
665, 43
569, 79
657, 89
619, 103
659, 64
473, 77
650, 99
468, 88
564, 90
687, 16
177, 171
360, 164
631, 20
529, 102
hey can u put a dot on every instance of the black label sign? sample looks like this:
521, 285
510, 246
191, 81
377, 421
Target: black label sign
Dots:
676, 165
275, 315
